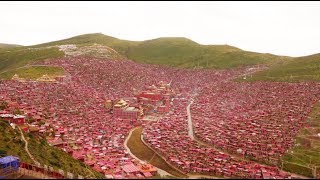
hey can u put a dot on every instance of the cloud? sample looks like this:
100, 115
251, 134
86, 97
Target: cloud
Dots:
284, 28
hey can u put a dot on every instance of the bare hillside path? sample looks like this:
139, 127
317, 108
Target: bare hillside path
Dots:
26, 148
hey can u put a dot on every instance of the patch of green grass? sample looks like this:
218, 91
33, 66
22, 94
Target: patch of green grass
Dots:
305, 68
10, 142
2, 45
182, 52
21, 56
33, 72
305, 171
173, 51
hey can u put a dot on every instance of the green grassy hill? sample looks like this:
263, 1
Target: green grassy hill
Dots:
175, 51
33, 72
182, 52
2, 45
305, 68
13, 58
41, 150
120, 46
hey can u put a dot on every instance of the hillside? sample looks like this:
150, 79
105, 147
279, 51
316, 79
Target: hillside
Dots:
20, 56
182, 52
173, 51
296, 69
41, 150
120, 46
170, 51
12, 58
33, 72
3, 45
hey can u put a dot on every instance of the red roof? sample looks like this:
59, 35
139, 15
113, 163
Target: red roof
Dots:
129, 168
147, 174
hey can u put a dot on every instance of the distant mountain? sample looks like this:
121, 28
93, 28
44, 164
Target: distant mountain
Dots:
11, 58
2, 45
306, 68
173, 51
170, 51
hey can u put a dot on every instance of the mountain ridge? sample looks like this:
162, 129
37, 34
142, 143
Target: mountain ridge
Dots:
173, 51
169, 51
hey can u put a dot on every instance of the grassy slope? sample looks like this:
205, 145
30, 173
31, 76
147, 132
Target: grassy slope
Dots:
306, 154
43, 153
183, 52
17, 57
2, 45
11, 143
177, 51
296, 69
120, 46
33, 72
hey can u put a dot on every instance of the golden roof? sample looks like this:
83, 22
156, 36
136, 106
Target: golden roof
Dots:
122, 102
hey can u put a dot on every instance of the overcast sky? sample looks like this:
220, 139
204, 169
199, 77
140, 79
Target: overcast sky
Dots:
283, 28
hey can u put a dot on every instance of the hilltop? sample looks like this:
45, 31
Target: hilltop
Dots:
2, 45
304, 68
173, 51
168, 51
20, 56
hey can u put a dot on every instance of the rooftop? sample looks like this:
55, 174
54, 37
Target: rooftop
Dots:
130, 109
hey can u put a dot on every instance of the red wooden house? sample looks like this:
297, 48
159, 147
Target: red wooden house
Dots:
18, 119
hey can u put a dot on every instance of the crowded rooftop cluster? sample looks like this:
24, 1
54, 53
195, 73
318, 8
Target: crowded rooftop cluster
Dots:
253, 119
72, 109
169, 137
256, 120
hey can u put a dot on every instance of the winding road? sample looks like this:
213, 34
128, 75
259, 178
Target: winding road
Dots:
191, 135
160, 171
190, 128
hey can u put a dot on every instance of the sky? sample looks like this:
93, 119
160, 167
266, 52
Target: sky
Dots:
281, 28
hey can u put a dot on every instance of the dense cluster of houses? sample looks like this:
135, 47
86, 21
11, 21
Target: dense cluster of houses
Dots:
74, 113
89, 112
78, 124
153, 99
169, 137
257, 120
